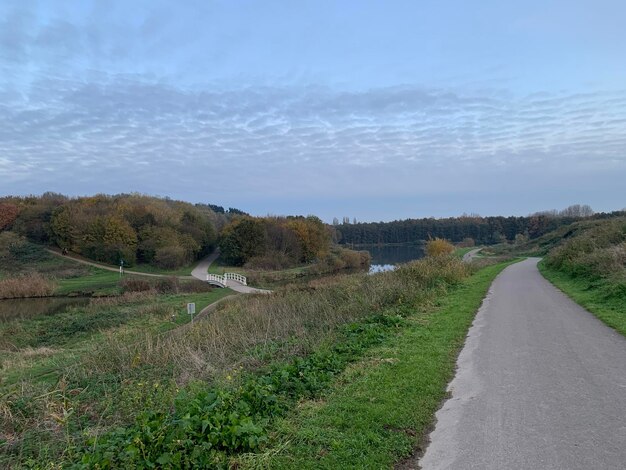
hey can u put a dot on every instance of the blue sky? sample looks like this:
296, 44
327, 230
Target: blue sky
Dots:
374, 110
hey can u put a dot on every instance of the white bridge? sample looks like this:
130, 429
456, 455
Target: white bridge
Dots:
222, 281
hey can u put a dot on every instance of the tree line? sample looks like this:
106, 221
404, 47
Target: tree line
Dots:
135, 228
469, 228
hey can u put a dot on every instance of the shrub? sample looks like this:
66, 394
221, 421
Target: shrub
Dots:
467, 242
596, 252
271, 261
439, 247
170, 257
135, 285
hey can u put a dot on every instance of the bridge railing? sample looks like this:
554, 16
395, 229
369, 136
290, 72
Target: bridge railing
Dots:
227, 277
236, 277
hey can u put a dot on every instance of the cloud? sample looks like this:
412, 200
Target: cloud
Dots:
126, 124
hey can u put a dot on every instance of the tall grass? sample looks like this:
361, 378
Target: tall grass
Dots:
596, 254
590, 266
29, 285
128, 374
293, 321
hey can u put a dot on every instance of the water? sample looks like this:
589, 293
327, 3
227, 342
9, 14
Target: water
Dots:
21, 309
387, 257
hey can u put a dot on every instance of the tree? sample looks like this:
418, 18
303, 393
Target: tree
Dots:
119, 241
521, 238
313, 236
577, 210
8, 214
241, 240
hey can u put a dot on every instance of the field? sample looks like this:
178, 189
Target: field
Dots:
224, 388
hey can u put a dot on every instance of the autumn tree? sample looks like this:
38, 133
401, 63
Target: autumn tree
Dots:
313, 235
8, 214
242, 239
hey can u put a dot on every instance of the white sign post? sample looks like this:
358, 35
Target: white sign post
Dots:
191, 309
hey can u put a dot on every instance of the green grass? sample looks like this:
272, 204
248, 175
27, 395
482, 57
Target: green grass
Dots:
602, 297
288, 353
381, 408
81, 329
149, 269
97, 282
460, 252
218, 268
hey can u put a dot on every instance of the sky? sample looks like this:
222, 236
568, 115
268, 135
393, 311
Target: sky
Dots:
374, 110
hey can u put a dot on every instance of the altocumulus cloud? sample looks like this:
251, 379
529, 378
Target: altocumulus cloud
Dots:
116, 129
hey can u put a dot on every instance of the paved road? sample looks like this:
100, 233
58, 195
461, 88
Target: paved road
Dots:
541, 384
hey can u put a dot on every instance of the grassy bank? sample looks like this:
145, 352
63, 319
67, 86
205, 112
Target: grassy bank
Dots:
605, 299
589, 265
460, 252
212, 393
380, 409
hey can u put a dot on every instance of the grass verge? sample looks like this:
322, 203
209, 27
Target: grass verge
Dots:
597, 295
380, 409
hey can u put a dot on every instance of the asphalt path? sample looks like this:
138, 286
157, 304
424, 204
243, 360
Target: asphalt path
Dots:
201, 270
541, 384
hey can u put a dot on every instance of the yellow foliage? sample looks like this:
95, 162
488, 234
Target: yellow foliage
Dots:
439, 247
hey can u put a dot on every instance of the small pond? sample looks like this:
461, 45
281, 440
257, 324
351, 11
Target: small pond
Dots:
387, 257
22, 309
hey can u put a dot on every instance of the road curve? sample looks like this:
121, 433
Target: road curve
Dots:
201, 270
541, 384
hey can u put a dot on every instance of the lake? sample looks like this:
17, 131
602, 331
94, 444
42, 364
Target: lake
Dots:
386, 257
21, 309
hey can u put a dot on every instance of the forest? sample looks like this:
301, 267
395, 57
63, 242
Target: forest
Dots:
129, 227
169, 234
468, 228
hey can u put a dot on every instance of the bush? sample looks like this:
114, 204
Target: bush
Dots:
439, 247
165, 285
170, 257
135, 285
168, 285
467, 242
597, 252
272, 261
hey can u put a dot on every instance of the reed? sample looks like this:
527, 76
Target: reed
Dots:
28, 285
